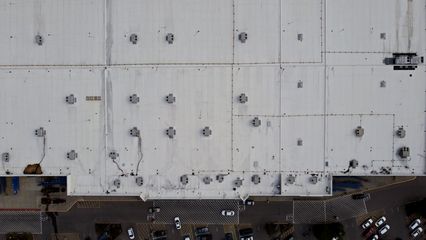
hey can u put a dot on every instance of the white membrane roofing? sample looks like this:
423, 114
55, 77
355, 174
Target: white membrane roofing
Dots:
313, 71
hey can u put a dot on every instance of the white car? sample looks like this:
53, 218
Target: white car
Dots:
417, 232
177, 223
367, 223
247, 238
384, 230
374, 237
131, 233
228, 213
380, 221
414, 224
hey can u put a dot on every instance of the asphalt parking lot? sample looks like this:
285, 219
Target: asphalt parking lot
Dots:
395, 218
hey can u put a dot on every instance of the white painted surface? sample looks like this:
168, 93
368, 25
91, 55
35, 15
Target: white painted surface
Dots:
72, 31
260, 20
202, 31
301, 17
87, 52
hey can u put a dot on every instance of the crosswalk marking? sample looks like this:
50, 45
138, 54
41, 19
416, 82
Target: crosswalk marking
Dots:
88, 204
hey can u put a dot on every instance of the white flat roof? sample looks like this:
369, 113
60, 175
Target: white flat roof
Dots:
313, 71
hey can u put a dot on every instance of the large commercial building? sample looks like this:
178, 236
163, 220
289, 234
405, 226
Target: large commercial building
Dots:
211, 99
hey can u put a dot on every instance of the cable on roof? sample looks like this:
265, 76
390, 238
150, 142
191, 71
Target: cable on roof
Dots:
140, 154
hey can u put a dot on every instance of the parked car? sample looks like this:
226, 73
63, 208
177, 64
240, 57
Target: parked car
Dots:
249, 202
361, 196
384, 229
177, 223
52, 189
417, 232
159, 235
228, 213
228, 236
201, 230
370, 232
380, 221
367, 224
131, 233
154, 210
204, 237
374, 237
246, 233
246, 238
186, 237
52, 200
414, 224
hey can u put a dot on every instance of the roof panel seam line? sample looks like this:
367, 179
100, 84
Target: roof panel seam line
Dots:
324, 23
108, 32
281, 90
232, 85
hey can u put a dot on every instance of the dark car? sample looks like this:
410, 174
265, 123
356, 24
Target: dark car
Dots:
159, 235
48, 190
361, 196
154, 210
201, 230
246, 232
204, 237
228, 236
52, 200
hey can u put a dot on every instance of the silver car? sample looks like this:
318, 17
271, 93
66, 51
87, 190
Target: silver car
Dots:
384, 230
414, 224
417, 232
131, 233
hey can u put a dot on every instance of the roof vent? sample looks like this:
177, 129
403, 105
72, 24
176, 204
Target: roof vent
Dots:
139, 181
134, 98
134, 132
220, 177
171, 132
117, 183
313, 179
170, 38
5, 157
207, 180
39, 40
243, 98
291, 179
207, 131
133, 38
400, 132
184, 179
353, 163
40, 132
238, 182
113, 155
71, 99
359, 131
404, 152
170, 98
256, 122
72, 155
243, 37
255, 179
